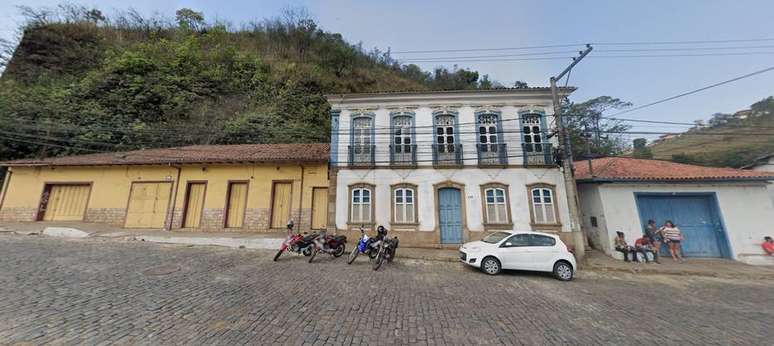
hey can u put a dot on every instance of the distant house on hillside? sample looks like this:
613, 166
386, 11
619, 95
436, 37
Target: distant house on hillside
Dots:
743, 114
722, 212
764, 163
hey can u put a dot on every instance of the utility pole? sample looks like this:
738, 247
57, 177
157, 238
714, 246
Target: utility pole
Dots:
564, 147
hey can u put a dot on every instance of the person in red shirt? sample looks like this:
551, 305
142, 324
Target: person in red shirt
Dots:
643, 246
768, 246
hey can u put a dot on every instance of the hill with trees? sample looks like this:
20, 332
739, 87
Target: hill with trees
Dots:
727, 140
79, 81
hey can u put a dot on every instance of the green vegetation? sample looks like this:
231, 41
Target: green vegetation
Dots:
728, 141
80, 81
591, 135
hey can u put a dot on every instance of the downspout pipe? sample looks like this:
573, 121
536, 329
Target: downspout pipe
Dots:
171, 210
301, 200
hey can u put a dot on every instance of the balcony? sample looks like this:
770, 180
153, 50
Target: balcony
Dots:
492, 154
447, 155
537, 154
361, 156
403, 155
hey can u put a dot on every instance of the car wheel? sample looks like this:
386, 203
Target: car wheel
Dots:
491, 266
563, 271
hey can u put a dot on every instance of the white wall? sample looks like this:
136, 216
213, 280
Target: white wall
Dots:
768, 166
591, 206
745, 208
472, 178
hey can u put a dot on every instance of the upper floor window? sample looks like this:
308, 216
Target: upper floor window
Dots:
543, 205
362, 127
495, 204
532, 132
361, 204
488, 125
404, 204
402, 130
445, 133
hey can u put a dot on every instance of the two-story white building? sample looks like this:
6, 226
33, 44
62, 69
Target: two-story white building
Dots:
445, 167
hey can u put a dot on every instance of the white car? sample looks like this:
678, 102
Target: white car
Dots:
522, 251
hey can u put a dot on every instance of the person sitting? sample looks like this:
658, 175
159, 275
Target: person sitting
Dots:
621, 246
768, 246
644, 246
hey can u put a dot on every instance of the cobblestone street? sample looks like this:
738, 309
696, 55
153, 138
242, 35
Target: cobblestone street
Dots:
106, 291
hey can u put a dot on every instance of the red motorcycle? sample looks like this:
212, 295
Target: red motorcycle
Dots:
330, 244
297, 243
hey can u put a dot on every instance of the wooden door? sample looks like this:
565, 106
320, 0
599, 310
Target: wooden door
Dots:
280, 206
194, 204
148, 204
235, 207
66, 202
450, 215
319, 207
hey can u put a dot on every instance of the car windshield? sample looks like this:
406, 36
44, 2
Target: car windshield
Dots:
495, 237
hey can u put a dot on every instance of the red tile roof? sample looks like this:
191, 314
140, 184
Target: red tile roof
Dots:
629, 169
284, 153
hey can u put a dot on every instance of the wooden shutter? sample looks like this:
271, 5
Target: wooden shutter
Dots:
194, 204
67, 203
237, 201
148, 204
319, 207
280, 207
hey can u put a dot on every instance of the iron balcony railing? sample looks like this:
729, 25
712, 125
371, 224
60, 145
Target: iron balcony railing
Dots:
494, 154
362, 155
537, 154
403, 155
447, 154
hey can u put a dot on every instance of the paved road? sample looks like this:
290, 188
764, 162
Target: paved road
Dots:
106, 291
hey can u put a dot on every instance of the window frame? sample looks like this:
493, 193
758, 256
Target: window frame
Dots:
557, 224
393, 207
508, 224
372, 190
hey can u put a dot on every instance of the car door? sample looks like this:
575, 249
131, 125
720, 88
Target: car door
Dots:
543, 250
515, 252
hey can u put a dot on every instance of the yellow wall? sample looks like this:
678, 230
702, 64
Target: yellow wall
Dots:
111, 185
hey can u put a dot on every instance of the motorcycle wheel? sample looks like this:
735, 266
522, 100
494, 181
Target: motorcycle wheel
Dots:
392, 255
277, 256
372, 253
339, 250
379, 260
307, 251
353, 255
314, 253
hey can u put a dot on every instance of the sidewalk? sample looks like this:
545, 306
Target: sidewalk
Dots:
712, 267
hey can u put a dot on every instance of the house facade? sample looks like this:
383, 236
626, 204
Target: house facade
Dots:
442, 168
722, 212
210, 187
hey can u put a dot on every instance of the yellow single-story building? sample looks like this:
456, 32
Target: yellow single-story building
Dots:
252, 187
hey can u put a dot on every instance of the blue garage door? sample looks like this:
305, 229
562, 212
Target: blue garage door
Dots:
696, 215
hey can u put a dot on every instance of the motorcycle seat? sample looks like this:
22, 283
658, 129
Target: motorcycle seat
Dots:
311, 237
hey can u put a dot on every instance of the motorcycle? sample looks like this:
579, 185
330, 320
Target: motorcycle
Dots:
297, 243
386, 251
330, 244
365, 245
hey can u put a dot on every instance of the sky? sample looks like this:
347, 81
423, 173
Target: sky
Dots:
401, 25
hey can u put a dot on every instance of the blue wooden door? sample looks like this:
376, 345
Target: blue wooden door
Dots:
696, 215
450, 215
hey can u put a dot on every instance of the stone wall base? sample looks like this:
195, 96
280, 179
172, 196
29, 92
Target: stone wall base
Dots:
111, 216
18, 214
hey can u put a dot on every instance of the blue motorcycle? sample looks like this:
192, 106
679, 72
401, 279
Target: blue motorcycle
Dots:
365, 245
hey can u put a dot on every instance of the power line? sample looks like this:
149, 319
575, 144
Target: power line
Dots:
595, 56
635, 43
692, 92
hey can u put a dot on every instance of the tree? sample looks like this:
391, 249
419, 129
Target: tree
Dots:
520, 85
190, 19
641, 150
607, 136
